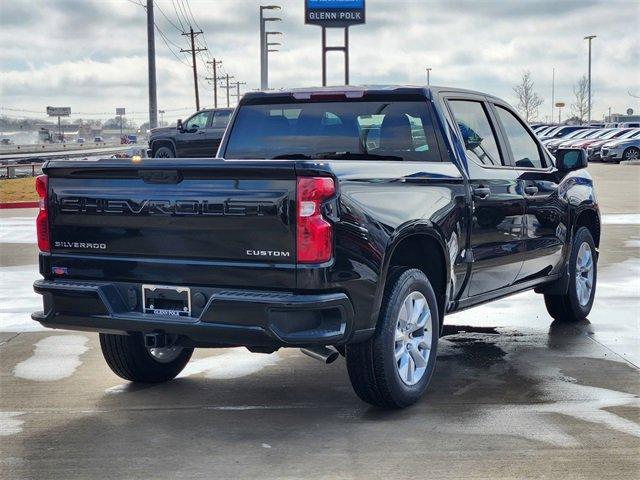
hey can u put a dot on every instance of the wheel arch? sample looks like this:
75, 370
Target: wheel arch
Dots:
590, 219
419, 246
162, 142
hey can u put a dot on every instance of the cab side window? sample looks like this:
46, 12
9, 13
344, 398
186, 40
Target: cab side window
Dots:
198, 121
220, 119
525, 150
479, 139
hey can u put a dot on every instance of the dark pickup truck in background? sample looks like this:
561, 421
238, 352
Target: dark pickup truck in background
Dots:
338, 221
198, 136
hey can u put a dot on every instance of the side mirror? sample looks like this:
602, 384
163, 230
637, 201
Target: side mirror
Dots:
179, 125
569, 159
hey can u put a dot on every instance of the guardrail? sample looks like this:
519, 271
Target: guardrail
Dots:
54, 147
11, 171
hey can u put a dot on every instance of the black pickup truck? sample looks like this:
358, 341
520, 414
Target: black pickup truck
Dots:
340, 221
198, 136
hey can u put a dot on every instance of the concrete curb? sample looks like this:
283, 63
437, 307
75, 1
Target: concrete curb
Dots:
630, 162
4, 205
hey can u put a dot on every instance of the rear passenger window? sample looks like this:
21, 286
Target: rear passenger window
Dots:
479, 139
524, 148
220, 119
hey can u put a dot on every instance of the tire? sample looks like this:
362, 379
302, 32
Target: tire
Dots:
164, 152
128, 358
631, 153
575, 305
375, 373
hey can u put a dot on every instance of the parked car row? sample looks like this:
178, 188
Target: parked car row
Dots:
607, 144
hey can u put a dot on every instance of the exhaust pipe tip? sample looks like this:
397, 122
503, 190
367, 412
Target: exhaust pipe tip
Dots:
322, 353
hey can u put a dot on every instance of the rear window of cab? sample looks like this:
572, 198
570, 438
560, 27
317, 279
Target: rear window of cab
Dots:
376, 130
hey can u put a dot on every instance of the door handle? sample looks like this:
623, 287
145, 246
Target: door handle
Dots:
481, 192
530, 190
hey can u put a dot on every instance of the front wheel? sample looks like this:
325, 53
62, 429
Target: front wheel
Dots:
164, 152
393, 368
631, 153
129, 358
576, 304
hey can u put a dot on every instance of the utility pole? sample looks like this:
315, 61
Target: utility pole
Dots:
161, 112
228, 87
193, 52
589, 38
151, 60
429, 75
238, 90
553, 91
264, 48
215, 64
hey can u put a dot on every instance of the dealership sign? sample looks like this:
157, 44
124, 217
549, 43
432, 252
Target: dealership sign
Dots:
120, 111
58, 111
334, 13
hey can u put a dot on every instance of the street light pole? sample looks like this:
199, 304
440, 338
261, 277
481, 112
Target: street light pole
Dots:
429, 75
264, 53
151, 64
553, 91
589, 38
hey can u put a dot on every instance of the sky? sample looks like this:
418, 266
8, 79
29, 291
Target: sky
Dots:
91, 55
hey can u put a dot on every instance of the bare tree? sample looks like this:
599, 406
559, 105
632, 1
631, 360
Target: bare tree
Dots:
580, 107
528, 99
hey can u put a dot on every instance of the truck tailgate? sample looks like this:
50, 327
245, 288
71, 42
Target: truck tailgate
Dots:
228, 215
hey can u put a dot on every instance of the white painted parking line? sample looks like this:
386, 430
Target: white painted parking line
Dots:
621, 219
18, 230
17, 298
10, 424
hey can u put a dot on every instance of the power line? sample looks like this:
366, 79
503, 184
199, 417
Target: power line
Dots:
167, 17
183, 11
164, 38
228, 87
193, 50
175, 9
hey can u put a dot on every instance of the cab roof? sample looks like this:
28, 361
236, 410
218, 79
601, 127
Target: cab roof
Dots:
356, 91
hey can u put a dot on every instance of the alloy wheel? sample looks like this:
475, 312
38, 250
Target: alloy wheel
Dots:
413, 338
584, 274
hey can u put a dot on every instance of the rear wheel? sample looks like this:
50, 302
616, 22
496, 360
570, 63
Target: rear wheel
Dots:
129, 358
394, 367
576, 304
164, 152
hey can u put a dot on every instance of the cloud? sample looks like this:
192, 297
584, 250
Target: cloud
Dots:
91, 54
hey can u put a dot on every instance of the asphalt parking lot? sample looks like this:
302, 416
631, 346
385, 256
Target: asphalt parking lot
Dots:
514, 395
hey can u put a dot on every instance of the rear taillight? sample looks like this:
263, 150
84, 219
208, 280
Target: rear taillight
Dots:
314, 239
42, 222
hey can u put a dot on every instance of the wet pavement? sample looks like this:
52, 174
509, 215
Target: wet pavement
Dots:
513, 396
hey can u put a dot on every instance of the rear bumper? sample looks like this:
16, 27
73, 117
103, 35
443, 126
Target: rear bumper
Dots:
228, 318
